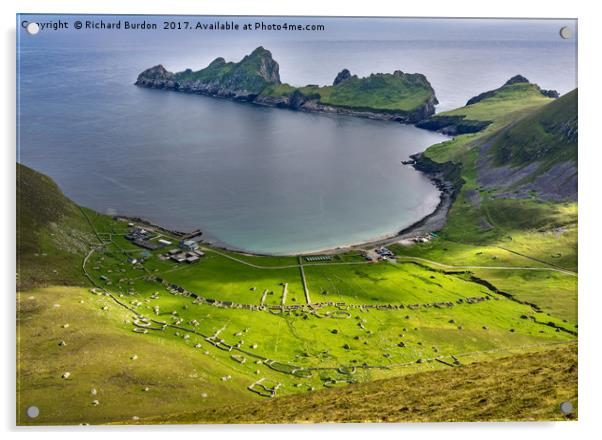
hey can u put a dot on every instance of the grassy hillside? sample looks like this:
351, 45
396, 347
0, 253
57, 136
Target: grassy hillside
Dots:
488, 226
499, 109
99, 354
522, 387
382, 91
52, 233
548, 135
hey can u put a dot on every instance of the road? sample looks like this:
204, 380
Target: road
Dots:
402, 257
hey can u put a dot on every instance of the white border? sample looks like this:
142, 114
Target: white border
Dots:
590, 294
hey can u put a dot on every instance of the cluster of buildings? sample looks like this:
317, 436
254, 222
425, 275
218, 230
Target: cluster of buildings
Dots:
188, 252
384, 252
144, 239
380, 253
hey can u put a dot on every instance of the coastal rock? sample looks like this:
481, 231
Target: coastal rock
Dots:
343, 75
452, 125
447, 177
156, 77
297, 99
516, 79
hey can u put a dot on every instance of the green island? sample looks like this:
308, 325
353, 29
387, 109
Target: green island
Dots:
122, 321
397, 96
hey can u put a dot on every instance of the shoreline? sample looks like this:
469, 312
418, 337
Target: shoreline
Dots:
444, 176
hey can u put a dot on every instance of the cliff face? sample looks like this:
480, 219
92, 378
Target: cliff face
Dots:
399, 96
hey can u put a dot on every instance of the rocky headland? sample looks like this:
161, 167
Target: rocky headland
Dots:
398, 96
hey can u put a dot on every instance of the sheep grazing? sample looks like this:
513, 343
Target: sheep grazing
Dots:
66, 375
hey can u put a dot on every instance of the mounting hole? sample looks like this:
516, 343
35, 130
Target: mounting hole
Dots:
566, 32
33, 412
32, 28
566, 408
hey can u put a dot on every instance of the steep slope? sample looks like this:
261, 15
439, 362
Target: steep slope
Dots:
52, 233
396, 96
522, 387
537, 155
482, 110
549, 135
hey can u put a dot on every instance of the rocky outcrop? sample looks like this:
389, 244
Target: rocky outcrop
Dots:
156, 77
452, 125
516, 79
240, 81
343, 75
550, 93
